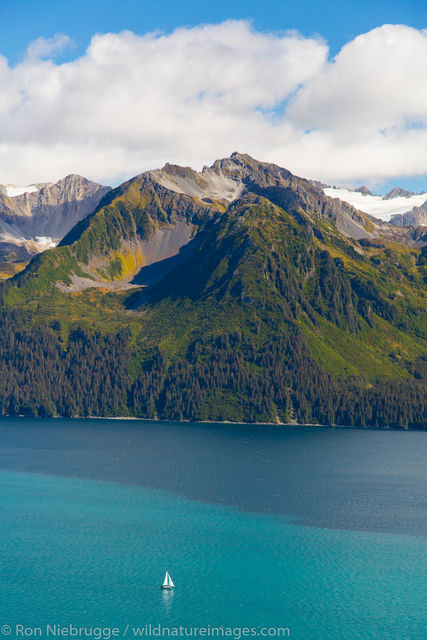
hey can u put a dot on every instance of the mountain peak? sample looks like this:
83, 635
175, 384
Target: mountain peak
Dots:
398, 192
74, 177
227, 179
244, 158
363, 190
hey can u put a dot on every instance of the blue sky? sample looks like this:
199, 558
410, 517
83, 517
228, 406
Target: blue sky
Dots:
338, 23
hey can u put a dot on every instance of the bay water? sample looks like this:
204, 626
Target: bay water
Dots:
308, 533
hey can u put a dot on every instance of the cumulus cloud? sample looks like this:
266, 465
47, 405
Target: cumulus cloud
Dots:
377, 81
134, 102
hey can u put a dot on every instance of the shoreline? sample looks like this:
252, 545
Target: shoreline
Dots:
225, 422
265, 424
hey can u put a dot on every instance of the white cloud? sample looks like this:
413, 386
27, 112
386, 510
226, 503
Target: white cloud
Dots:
377, 81
134, 102
43, 47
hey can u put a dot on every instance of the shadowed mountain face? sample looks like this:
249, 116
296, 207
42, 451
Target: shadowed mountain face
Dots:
165, 251
240, 292
37, 220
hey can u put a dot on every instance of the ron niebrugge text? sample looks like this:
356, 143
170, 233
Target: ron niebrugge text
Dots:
144, 631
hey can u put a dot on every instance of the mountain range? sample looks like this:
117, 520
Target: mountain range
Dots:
241, 292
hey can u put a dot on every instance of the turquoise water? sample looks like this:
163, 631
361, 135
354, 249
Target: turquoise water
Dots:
88, 552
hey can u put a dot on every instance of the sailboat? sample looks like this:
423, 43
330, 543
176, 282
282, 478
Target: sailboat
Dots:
167, 582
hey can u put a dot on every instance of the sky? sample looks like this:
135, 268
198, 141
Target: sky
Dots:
335, 91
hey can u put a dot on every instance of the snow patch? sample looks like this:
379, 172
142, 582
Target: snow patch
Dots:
45, 242
13, 191
37, 244
375, 205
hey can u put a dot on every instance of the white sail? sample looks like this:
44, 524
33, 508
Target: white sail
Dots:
168, 581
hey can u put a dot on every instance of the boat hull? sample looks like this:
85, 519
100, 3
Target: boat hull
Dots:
166, 587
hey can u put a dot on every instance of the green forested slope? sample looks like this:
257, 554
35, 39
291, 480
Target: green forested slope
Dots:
273, 315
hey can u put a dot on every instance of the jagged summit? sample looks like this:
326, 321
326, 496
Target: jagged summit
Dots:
363, 190
224, 180
398, 192
227, 179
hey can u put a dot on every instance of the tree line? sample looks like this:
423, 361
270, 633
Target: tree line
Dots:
226, 377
